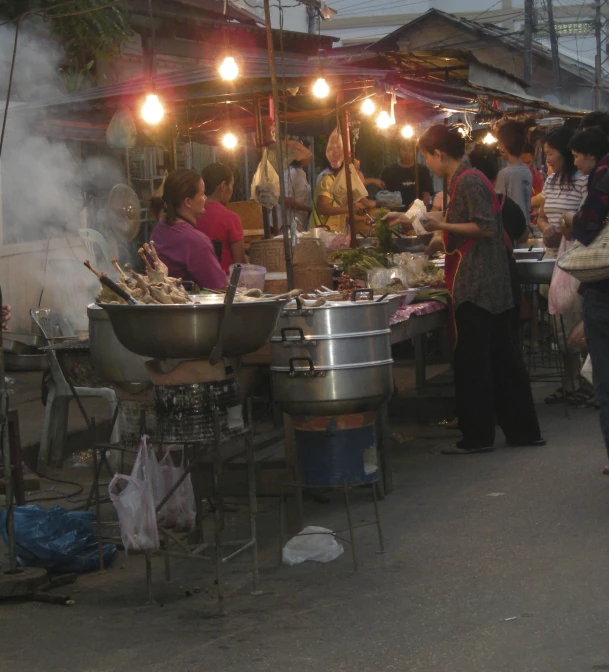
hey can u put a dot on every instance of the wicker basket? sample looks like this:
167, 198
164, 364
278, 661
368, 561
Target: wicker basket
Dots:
310, 278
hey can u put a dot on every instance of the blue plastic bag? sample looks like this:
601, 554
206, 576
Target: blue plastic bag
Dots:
56, 539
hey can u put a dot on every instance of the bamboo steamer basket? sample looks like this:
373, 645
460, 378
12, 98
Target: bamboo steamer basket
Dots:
309, 252
268, 253
276, 283
309, 278
271, 255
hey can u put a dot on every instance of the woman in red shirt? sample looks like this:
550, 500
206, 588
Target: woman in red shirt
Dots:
223, 227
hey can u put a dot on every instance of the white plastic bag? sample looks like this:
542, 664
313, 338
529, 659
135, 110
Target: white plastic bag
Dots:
180, 509
563, 295
339, 187
265, 184
334, 150
418, 213
314, 543
586, 372
121, 132
135, 503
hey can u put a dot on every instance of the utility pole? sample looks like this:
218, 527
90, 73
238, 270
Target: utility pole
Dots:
598, 59
285, 223
528, 41
554, 48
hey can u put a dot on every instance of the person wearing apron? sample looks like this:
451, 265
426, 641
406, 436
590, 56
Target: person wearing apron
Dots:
491, 381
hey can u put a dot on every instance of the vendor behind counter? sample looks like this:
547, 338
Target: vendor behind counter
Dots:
187, 253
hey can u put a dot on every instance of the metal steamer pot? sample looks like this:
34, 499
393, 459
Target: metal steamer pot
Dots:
112, 361
332, 360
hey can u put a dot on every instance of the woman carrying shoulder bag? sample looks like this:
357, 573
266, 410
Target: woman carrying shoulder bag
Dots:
590, 149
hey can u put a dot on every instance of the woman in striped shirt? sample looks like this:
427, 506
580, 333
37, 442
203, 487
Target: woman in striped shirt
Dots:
563, 192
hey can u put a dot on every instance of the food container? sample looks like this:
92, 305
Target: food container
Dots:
332, 360
304, 389
381, 278
532, 272
535, 253
252, 276
327, 350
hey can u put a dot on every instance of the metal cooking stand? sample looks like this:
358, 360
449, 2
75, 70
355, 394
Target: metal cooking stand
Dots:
214, 449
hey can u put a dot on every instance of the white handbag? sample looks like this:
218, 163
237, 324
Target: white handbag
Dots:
588, 263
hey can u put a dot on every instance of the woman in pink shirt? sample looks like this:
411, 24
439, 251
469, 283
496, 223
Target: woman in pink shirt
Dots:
188, 253
222, 226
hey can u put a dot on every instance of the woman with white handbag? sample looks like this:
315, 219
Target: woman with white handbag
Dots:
588, 261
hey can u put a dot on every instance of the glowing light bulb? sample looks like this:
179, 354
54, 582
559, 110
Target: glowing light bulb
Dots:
368, 106
321, 88
383, 121
407, 131
462, 132
152, 109
229, 140
489, 139
229, 69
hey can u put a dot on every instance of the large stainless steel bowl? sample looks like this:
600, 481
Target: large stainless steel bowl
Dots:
190, 331
112, 361
533, 272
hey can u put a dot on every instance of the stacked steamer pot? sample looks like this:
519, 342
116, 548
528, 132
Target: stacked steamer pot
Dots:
332, 369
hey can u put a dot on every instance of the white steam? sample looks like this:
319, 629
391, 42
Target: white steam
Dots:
50, 188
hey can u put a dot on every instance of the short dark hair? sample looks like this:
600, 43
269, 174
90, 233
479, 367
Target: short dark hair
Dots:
592, 141
596, 118
528, 149
513, 136
484, 159
408, 143
559, 139
441, 138
179, 185
213, 176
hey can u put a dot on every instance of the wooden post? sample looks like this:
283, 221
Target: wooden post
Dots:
343, 119
287, 242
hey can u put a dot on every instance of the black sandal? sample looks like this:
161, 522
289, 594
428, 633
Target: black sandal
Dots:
456, 450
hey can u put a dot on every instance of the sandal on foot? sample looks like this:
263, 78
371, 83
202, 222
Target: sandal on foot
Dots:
456, 450
557, 397
526, 444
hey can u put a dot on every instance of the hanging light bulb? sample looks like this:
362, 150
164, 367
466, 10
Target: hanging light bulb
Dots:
383, 121
368, 106
229, 70
489, 139
321, 88
462, 132
407, 131
229, 140
152, 109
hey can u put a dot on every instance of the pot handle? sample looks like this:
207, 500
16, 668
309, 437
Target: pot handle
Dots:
362, 290
299, 311
294, 342
303, 374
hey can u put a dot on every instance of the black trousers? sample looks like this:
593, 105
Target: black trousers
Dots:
491, 381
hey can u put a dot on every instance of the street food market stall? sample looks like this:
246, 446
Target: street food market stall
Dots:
327, 340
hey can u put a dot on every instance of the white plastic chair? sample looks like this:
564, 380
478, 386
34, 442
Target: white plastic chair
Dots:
90, 238
53, 325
